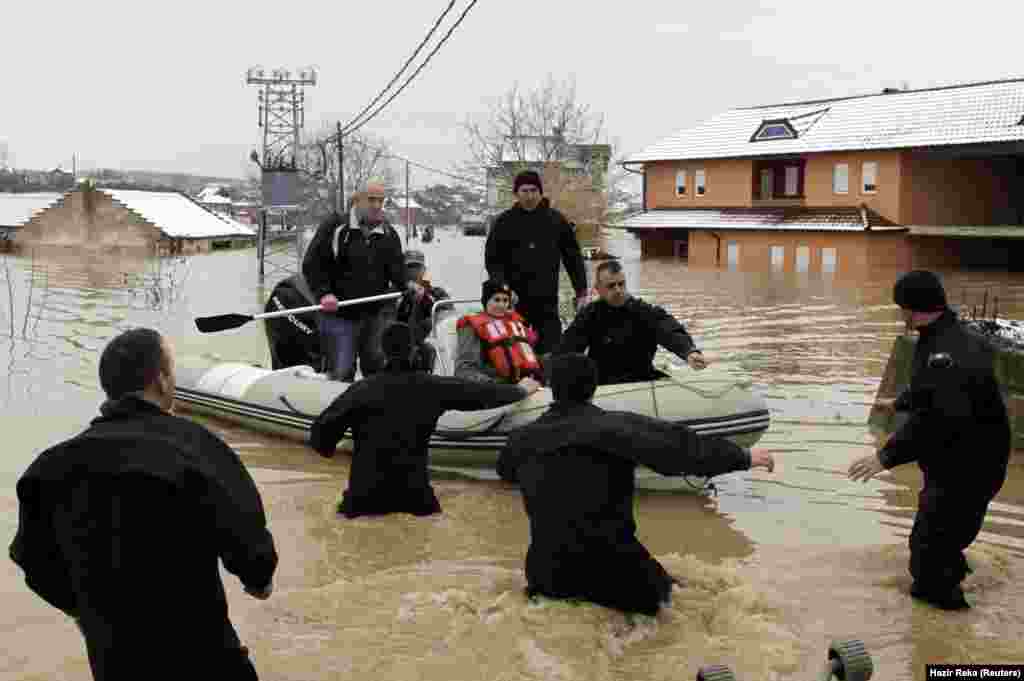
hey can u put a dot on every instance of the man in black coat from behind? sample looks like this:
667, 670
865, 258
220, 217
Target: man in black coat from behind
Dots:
622, 333
958, 431
122, 526
524, 248
392, 415
575, 466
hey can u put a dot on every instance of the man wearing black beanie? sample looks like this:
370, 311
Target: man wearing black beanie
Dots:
957, 431
525, 247
392, 415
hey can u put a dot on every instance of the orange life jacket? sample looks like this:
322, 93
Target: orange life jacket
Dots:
506, 342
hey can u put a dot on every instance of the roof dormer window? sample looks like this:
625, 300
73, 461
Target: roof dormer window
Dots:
779, 129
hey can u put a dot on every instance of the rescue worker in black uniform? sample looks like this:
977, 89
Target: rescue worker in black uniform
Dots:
122, 526
958, 432
524, 248
575, 466
392, 415
623, 333
294, 340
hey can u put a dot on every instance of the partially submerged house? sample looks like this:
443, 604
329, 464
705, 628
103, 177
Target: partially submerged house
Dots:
165, 223
17, 209
930, 177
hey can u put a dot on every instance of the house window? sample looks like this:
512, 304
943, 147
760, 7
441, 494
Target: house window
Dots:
869, 176
792, 180
828, 260
698, 178
732, 254
803, 258
841, 178
767, 183
681, 183
778, 257
778, 129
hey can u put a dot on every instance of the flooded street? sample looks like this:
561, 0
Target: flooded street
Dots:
775, 566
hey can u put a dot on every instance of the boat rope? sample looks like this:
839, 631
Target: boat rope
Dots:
288, 404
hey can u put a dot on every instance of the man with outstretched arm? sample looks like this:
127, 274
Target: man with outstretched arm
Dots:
392, 415
575, 467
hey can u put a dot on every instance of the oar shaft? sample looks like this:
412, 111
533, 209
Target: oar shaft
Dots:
315, 308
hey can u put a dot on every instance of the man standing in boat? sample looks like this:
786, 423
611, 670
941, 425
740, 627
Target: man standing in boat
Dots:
524, 248
122, 526
392, 416
957, 431
584, 545
356, 256
623, 333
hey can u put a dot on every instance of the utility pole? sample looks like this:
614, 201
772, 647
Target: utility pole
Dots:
341, 172
408, 222
282, 117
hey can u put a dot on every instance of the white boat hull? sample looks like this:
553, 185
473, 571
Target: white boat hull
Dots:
285, 403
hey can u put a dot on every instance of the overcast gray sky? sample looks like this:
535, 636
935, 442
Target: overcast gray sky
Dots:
161, 86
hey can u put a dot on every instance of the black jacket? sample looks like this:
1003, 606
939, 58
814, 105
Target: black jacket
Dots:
392, 415
575, 466
360, 268
417, 313
623, 340
122, 528
524, 249
958, 430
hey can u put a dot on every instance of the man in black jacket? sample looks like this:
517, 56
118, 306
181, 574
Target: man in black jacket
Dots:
623, 332
524, 248
575, 466
356, 256
121, 528
957, 431
416, 312
392, 416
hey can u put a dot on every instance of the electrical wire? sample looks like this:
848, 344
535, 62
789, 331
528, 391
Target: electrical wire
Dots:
404, 66
418, 69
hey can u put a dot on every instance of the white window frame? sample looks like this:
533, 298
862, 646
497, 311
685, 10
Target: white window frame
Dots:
829, 264
732, 253
844, 175
803, 258
779, 262
700, 183
864, 177
792, 173
681, 174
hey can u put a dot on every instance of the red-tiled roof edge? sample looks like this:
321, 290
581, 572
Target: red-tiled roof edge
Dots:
880, 94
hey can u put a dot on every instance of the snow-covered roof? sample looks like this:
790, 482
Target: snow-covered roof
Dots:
400, 203
17, 209
178, 216
971, 113
805, 219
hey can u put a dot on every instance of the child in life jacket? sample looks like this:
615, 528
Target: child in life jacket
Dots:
496, 344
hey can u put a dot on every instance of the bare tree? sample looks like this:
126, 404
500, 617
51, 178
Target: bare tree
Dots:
550, 130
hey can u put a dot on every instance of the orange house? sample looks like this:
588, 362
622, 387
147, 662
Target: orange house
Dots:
919, 178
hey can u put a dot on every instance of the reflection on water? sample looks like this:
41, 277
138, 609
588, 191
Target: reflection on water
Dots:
774, 567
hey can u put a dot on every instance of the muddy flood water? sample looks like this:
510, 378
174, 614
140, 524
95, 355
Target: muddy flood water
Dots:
775, 567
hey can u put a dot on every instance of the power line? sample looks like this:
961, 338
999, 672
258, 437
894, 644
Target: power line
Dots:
415, 164
404, 66
420, 68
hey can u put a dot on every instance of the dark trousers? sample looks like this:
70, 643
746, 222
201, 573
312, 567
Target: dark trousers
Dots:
946, 523
161, 658
542, 315
345, 340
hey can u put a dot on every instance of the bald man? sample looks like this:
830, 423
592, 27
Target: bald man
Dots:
355, 256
